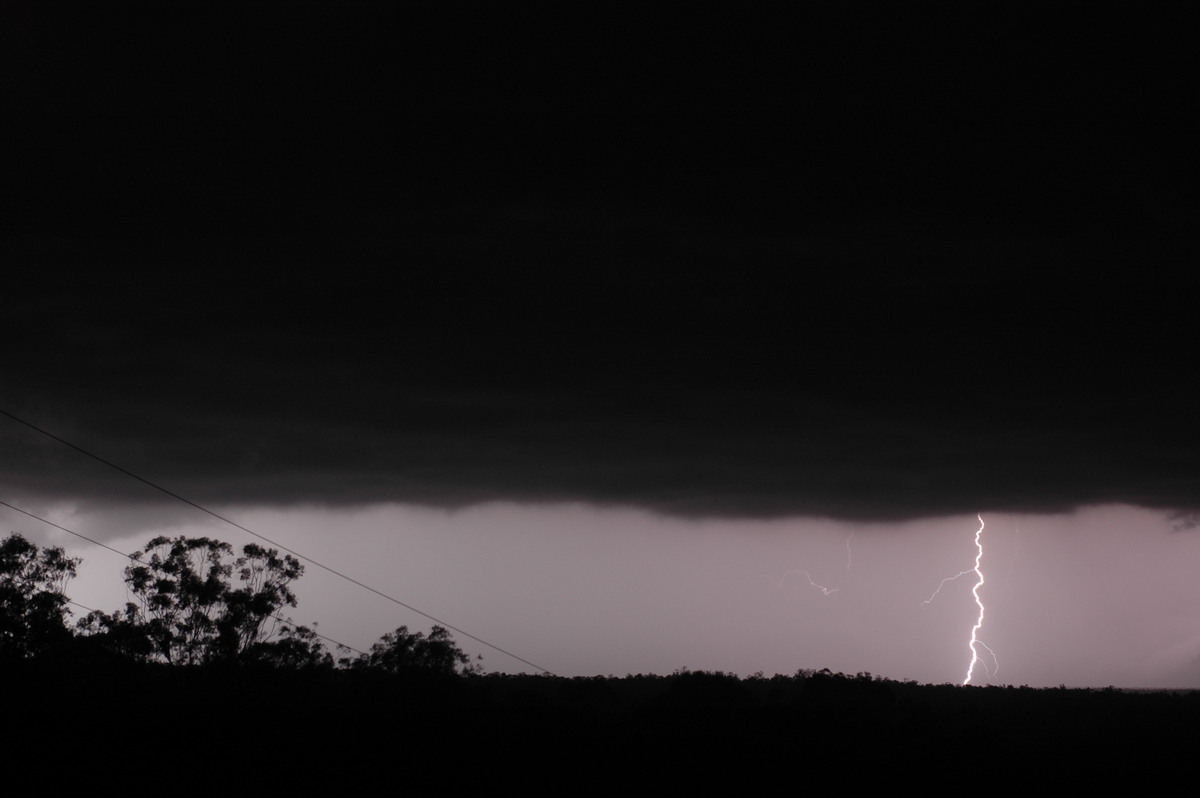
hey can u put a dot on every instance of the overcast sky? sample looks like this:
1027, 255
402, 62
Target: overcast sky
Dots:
601, 333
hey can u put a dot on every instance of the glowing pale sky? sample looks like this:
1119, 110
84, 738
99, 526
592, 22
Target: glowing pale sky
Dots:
1101, 596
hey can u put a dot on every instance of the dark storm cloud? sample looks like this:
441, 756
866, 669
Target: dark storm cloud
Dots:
864, 263
724, 401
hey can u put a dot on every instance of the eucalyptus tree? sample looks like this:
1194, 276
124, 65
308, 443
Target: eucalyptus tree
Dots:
33, 599
196, 602
403, 651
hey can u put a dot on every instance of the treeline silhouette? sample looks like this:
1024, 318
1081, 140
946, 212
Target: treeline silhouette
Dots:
199, 684
195, 603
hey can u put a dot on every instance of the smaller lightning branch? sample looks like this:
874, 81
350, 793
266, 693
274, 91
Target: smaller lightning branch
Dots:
848, 539
992, 671
974, 642
825, 591
958, 575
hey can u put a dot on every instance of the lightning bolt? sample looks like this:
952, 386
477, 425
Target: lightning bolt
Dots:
978, 602
975, 643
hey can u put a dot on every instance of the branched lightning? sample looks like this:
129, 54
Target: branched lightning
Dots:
978, 602
974, 641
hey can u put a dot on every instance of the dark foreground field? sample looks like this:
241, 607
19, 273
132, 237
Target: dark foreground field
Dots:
195, 730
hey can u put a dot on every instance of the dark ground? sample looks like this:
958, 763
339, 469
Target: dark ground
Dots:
197, 729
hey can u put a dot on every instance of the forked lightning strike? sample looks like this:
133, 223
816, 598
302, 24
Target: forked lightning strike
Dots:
974, 641
978, 602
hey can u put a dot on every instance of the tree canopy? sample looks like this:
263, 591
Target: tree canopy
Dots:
401, 651
32, 598
197, 603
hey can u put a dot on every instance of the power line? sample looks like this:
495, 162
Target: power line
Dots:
64, 529
131, 558
320, 565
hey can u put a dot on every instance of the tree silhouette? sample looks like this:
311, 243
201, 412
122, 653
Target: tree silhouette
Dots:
32, 598
401, 651
189, 610
296, 648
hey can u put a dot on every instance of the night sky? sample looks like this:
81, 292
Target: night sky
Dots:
612, 335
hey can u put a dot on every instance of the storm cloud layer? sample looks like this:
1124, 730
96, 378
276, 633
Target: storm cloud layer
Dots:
864, 263
701, 407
